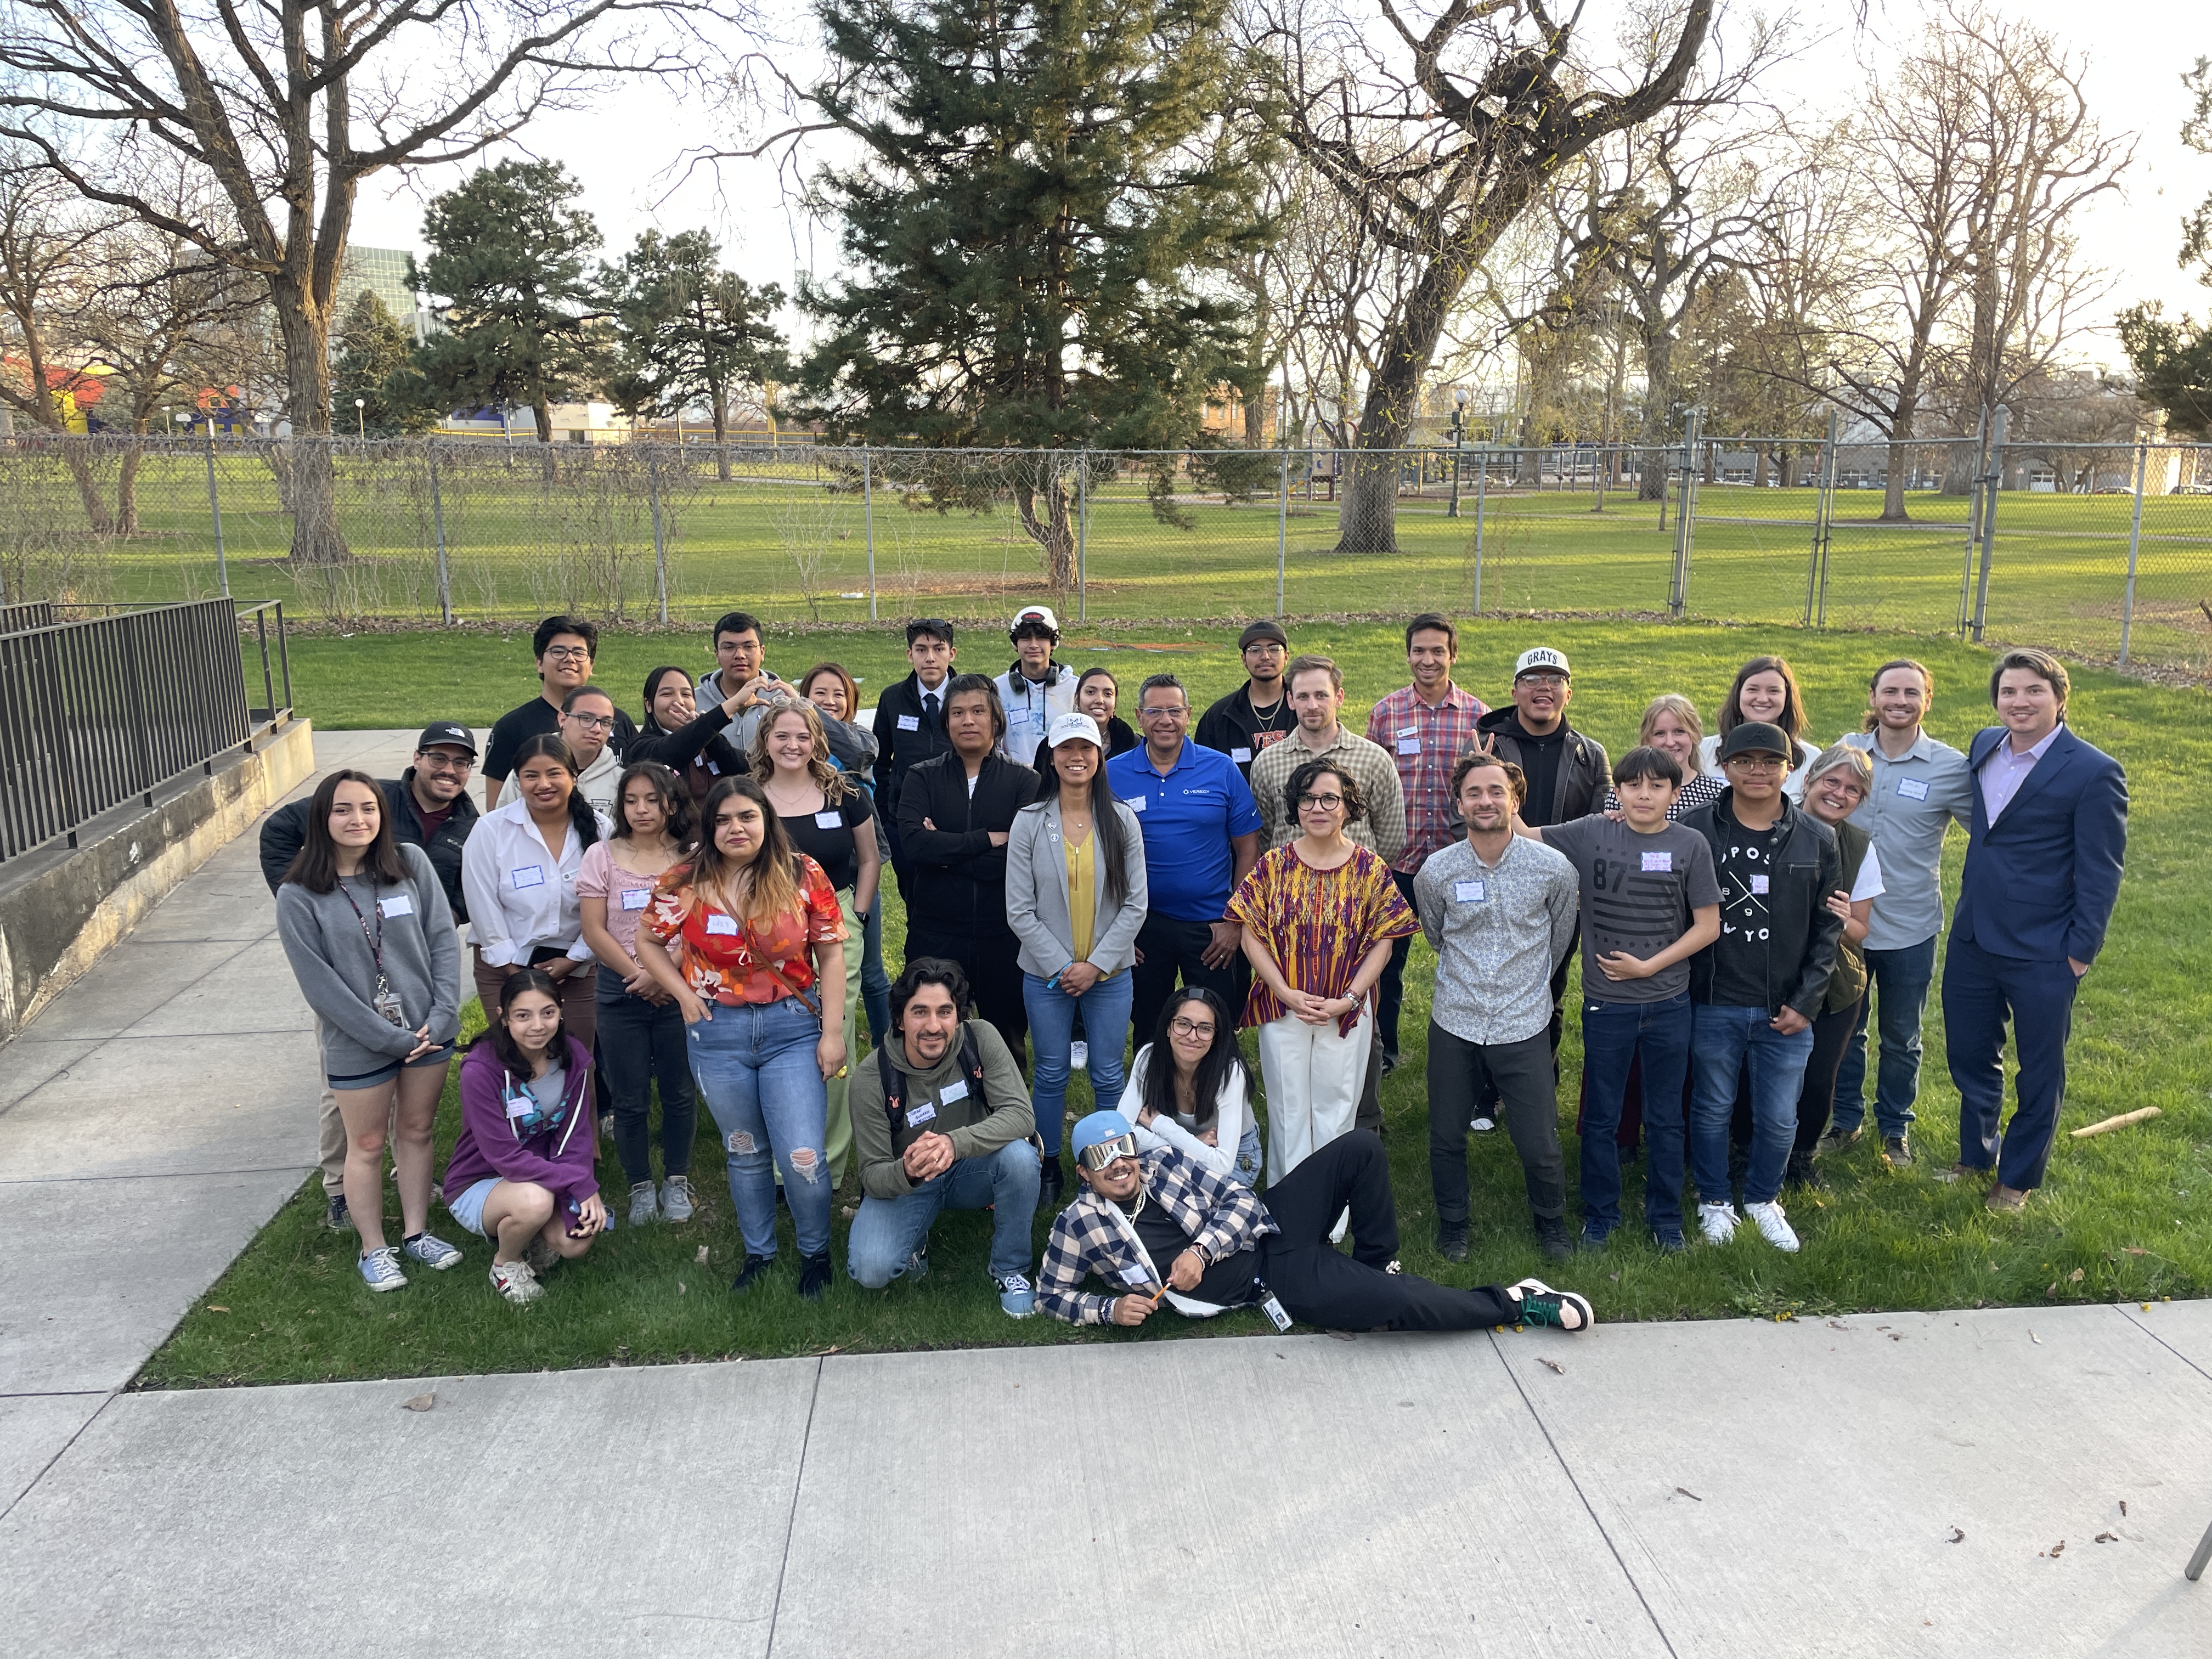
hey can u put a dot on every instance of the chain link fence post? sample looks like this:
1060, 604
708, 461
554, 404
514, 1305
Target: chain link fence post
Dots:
1481, 493
1678, 597
1082, 534
438, 528
215, 511
868, 518
2135, 546
1993, 479
660, 545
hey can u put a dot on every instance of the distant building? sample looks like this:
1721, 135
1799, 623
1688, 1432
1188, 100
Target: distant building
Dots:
382, 271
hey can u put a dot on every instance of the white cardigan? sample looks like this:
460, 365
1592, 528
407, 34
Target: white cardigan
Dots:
1232, 1108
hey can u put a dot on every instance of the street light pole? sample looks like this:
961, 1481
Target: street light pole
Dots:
361, 418
1458, 431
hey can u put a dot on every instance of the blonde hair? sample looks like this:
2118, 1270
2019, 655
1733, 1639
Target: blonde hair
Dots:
834, 784
1674, 703
1841, 756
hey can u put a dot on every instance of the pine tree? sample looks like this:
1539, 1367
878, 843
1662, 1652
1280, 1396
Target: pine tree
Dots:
508, 254
688, 331
376, 363
1043, 187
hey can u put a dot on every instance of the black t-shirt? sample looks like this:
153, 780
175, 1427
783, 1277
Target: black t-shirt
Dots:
1232, 725
1742, 973
1540, 765
1226, 1284
827, 836
535, 719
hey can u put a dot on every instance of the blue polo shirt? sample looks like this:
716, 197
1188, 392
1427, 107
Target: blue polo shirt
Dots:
1188, 818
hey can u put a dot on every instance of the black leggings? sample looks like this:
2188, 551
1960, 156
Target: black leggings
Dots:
1318, 1284
1831, 1034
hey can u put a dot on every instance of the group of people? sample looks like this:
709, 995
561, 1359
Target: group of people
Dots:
691, 907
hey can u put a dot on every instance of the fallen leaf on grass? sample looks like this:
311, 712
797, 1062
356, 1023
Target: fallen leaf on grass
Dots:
2108, 1538
421, 1402
701, 1257
840, 1348
2073, 1277
2033, 1338
1553, 1363
1615, 1278
2055, 1550
679, 1287
2129, 1249
1957, 1536
217, 1307
1687, 1493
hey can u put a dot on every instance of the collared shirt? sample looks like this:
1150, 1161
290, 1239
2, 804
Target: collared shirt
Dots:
1381, 831
1218, 1216
1914, 799
1425, 738
1187, 819
1499, 931
2003, 771
518, 897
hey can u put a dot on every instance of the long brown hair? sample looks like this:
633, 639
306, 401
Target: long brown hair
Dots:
836, 671
834, 784
554, 746
315, 866
1793, 700
760, 891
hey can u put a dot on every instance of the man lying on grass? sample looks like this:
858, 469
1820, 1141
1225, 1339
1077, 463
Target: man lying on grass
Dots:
1157, 1225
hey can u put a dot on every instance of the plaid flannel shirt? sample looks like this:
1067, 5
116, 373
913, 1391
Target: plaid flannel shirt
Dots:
1440, 735
1218, 1215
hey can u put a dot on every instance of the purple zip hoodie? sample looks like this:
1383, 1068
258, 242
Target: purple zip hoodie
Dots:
559, 1160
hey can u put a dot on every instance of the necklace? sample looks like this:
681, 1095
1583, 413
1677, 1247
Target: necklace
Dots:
1268, 721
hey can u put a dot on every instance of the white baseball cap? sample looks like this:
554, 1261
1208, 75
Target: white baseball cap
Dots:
1542, 659
1066, 728
1034, 613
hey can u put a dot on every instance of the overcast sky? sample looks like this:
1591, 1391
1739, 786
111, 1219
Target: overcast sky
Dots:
627, 150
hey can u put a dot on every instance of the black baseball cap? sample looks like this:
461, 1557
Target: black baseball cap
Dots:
450, 734
1756, 738
1263, 630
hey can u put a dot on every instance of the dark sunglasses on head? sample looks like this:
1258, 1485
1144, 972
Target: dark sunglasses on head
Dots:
1097, 1158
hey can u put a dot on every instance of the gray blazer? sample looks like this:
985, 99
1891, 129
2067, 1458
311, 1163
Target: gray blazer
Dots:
1037, 893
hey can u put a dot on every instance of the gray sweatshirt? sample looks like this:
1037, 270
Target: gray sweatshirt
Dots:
330, 956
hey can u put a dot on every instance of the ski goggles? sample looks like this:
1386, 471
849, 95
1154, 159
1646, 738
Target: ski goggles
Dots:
1098, 1155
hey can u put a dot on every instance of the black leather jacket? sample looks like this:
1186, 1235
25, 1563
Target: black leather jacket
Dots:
1801, 956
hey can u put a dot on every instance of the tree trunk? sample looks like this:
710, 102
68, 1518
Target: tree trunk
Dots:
1054, 533
309, 476
722, 439
87, 486
1658, 403
127, 490
1369, 520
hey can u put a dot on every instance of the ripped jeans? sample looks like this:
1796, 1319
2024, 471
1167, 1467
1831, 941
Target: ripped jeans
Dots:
755, 1069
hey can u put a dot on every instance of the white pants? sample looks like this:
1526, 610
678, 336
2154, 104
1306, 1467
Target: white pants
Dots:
1313, 1078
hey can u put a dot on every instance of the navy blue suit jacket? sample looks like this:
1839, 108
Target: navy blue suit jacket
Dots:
2040, 883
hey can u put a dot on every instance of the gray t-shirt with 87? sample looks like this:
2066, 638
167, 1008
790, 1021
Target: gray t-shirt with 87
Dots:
1638, 894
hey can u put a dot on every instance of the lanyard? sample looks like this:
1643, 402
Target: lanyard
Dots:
376, 939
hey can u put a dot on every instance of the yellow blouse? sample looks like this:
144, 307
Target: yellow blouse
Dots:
1082, 891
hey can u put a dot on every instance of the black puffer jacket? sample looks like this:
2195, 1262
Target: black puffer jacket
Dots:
285, 831
1801, 956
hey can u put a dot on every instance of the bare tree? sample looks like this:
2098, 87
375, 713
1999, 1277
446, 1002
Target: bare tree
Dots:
1438, 154
285, 108
46, 260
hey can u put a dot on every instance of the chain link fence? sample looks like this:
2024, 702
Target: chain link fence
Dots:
2104, 552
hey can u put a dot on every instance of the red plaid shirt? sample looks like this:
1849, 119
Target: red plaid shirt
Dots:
1424, 740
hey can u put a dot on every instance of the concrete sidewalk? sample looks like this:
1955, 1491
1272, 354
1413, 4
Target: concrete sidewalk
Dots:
1723, 1488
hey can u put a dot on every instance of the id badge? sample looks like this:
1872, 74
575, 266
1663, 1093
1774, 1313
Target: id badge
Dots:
1273, 1309
388, 1005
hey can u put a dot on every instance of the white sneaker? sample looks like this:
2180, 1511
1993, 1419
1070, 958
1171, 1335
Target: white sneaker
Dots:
1718, 1222
1482, 1126
1773, 1226
644, 1203
1343, 1222
1078, 1056
676, 1201
515, 1281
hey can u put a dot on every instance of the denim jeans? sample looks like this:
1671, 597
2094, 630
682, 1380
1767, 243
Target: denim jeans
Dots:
1105, 1008
875, 982
1615, 1034
1900, 992
888, 1231
640, 1043
1722, 1041
755, 1067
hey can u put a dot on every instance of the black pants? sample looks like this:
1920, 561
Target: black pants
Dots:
640, 1044
1519, 1072
1390, 990
1173, 949
1831, 1034
994, 974
1319, 1285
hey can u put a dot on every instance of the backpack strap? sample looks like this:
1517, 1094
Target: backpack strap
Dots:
894, 1087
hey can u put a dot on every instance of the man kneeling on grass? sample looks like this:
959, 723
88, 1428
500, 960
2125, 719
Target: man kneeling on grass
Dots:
1155, 1223
941, 1119
521, 1171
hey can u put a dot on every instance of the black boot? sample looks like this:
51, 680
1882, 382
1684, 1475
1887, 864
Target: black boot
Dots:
813, 1276
1052, 1182
754, 1267
1451, 1240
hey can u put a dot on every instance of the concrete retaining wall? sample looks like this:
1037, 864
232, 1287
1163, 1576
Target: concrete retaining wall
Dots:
62, 907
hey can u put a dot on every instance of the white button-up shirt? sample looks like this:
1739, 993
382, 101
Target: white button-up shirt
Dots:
518, 898
1915, 800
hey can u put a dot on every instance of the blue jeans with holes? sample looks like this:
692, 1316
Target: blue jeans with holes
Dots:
1614, 1034
1722, 1041
755, 1069
1899, 1001
1105, 1008
888, 1231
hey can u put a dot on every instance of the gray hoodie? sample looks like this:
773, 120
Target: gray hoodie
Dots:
330, 954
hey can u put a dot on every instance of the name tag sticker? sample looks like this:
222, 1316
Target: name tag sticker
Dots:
919, 1113
1134, 1274
529, 875
1913, 789
719, 923
829, 821
956, 1090
1409, 745
399, 904
636, 898
1758, 883
518, 1106
910, 722
1137, 803
1469, 892
1242, 757
712, 770
1659, 864
1409, 730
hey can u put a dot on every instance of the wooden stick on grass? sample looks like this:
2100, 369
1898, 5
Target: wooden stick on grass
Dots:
2119, 1122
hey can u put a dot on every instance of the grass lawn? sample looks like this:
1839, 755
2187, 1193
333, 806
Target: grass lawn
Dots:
2124, 1215
518, 547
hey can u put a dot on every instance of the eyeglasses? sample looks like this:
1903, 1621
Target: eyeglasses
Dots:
1548, 682
569, 652
1264, 648
1758, 763
1097, 1158
1191, 1028
429, 761
593, 722
1179, 713
1326, 803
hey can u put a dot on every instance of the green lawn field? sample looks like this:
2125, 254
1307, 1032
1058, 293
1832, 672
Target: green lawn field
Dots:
792, 540
2124, 1215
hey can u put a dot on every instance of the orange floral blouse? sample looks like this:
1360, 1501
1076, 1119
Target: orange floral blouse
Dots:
721, 956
